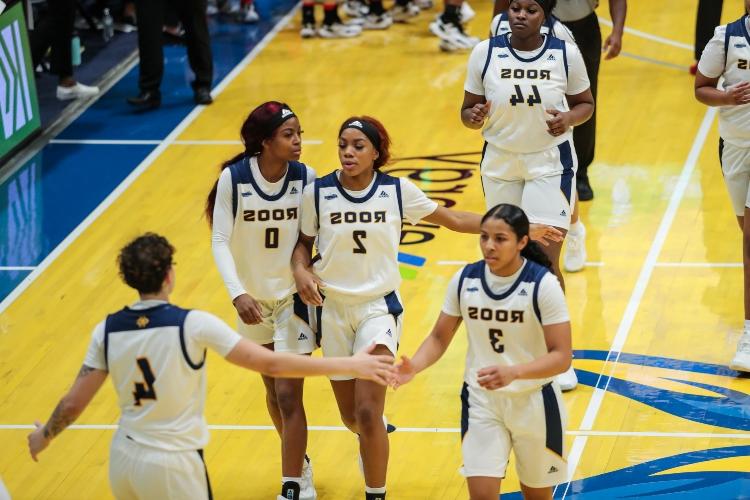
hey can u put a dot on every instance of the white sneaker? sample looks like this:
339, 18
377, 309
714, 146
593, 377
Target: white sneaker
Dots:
355, 8
466, 13
308, 30
339, 30
402, 13
452, 36
307, 491
78, 90
741, 360
568, 380
575, 249
375, 22
250, 15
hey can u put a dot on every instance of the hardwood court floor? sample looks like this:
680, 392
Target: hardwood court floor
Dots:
655, 316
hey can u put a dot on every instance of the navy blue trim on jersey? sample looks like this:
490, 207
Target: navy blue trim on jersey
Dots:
553, 420
240, 175
504, 17
470, 271
546, 45
183, 345
535, 300
379, 178
721, 153
565, 57
495, 41
481, 160
393, 304
568, 174
464, 410
525, 275
319, 321
208, 482
398, 197
295, 171
300, 308
735, 28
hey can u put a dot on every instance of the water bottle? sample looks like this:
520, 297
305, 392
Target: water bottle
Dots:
108, 29
75, 50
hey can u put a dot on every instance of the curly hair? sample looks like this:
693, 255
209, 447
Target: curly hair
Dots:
145, 262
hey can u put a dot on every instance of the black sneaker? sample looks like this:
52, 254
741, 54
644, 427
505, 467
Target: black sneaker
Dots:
202, 95
149, 99
585, 193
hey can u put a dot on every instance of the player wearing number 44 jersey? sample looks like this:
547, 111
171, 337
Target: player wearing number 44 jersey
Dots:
255, 214
356, 214
519, 337
156, 354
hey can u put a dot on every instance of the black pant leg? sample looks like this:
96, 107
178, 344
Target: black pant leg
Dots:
588, 36
707, 18
193, 16
150, 17
62, 14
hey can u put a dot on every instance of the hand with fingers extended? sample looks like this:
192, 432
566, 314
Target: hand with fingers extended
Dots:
495, 377
248, 309
308, 286
612, 45
405, 371
376, 367
479, 112
544, 234
37, 440
559, 123
738, 94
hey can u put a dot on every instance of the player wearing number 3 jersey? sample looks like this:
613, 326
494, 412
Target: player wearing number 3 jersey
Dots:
356, 214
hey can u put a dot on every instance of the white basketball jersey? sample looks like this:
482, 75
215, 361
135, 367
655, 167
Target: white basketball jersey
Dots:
265, 231
358, 238
521, 90
734, 121
504, 329
500, 25
160, 389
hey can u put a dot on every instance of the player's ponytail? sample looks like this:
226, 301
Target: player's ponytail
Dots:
519, 224
259, 125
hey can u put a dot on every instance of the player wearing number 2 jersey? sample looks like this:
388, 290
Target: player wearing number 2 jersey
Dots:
156, 353
356, 214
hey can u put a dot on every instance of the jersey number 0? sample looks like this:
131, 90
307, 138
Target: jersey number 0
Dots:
145, 389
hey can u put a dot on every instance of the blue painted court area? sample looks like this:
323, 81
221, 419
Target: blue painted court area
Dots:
47, 198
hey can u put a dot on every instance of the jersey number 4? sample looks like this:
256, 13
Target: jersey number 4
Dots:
519, 98
145, 389
496, 340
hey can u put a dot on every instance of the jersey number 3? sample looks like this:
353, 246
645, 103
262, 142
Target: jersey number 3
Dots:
519, 98
145, 389
496, 340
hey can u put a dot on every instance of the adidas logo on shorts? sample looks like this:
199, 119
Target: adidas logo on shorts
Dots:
331, 196
302, 336
383, 194
294, 191
552, 470
523, 293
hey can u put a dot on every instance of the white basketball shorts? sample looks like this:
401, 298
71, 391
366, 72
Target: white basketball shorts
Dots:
735, 165
288, 324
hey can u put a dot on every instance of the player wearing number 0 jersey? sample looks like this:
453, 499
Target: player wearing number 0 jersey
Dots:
155, 353
727, 56
518, 330
255, 214
356, 215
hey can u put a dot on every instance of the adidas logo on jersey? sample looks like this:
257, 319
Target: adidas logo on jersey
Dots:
389, 333
302, 336
552, 470
472, 289
246, 194
551, 57
383, 194
523, 293
286, 112
564, 213
294, 191
355, 123
331, 196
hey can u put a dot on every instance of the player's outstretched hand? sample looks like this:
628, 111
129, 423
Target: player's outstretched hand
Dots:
612, 46
308, 286
248, 309
479, 112
495, 377
376, 367
37, 441
559, 123
544, 234
738, 93
405, 371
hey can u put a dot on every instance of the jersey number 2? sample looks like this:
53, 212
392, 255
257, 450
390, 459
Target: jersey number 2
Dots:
496, 340
358, 237
518, 97
145, 389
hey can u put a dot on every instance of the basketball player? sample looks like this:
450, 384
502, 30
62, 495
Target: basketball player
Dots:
727, 55
356, 215
156, 353
254, 208
519, 338
531, 90
575, 241
449, 26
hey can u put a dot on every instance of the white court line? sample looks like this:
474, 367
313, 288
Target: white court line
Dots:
59, 249
420, 430
649, 36
623, 330
464, 262
698, 264
153, 142
17, 268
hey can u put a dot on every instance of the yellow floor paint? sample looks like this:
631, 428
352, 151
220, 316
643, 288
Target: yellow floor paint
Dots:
647, 122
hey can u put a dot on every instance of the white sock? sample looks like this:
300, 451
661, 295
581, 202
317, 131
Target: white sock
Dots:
576, 227
297, 480
374, 490
747, 326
